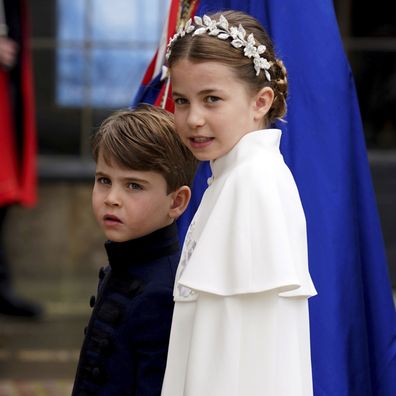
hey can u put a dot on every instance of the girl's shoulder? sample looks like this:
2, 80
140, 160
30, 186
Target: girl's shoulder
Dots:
261, 174
250, 234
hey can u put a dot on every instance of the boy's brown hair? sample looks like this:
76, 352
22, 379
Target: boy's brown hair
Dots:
145, 139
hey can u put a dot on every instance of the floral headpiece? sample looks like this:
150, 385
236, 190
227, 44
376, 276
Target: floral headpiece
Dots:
223, 31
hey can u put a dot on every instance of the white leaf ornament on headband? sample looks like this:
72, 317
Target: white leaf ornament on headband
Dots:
223, 31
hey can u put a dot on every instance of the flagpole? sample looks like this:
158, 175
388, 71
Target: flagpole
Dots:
165, 97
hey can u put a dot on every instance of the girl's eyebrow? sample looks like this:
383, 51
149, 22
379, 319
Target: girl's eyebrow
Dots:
174, 93
207, 91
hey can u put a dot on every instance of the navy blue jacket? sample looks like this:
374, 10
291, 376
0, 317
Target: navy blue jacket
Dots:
126, 342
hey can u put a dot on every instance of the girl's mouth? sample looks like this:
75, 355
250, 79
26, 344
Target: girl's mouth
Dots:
200, 141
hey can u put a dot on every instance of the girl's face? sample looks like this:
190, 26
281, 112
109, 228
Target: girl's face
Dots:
213, 109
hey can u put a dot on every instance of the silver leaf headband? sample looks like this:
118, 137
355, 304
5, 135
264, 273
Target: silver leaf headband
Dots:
223, 31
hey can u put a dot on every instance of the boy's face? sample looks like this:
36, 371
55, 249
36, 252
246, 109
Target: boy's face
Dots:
129, 204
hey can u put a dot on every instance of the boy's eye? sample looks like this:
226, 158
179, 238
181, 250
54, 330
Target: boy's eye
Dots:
180, 101
135, 186
212, 99
103, 180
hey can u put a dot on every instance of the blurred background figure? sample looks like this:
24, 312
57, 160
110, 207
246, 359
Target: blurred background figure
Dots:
17, 136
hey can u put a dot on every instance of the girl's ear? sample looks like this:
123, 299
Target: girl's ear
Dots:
180, 199
263, 102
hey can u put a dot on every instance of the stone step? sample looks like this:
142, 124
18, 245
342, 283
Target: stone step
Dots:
35, 388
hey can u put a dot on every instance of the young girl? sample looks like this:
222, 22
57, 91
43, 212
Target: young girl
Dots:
240, 324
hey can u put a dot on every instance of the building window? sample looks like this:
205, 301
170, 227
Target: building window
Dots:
369, 34
89, 58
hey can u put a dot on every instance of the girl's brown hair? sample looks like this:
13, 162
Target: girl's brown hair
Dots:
203, 47
144, 139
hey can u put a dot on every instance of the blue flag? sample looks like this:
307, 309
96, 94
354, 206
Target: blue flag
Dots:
353, 321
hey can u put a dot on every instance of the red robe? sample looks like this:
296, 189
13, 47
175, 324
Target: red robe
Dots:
18, 176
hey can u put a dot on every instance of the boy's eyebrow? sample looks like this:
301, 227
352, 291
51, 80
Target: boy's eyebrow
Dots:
135, 179
128, 178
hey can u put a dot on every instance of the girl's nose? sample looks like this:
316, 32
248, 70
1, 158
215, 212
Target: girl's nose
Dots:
195, 118
112, 198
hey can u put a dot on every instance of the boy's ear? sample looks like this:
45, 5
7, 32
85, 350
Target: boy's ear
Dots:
180, 199
263, 102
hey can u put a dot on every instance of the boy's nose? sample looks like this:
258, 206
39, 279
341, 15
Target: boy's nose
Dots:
112, 198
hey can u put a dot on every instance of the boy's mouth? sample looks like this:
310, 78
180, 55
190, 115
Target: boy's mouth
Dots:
108, 218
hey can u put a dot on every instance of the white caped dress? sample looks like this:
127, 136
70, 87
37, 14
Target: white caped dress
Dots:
241, 323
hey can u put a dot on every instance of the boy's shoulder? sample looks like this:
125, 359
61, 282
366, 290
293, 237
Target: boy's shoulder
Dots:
152, 258
151, 280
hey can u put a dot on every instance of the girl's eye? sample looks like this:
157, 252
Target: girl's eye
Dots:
180, 101
134, 186
212, 99
103, 180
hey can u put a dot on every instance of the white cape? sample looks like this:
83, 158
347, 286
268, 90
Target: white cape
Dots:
241, 324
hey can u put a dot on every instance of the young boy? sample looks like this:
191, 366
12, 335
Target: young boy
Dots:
141, 187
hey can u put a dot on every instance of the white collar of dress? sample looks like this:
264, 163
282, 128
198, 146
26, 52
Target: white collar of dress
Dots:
249, 145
